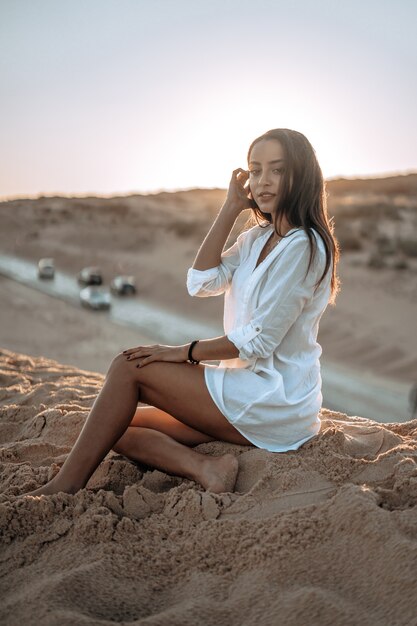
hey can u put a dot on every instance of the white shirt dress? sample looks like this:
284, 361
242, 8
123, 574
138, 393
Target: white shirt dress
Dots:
271, 392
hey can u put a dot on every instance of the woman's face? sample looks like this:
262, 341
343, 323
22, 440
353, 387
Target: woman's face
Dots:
266, 167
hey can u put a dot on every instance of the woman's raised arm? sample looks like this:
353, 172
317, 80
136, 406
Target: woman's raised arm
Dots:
209, 254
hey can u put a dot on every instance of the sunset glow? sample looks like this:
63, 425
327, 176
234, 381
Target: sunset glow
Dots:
124, 96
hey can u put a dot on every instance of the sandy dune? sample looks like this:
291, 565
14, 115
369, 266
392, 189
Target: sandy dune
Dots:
323, 535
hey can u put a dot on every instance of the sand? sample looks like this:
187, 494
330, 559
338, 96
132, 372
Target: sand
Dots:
324, 535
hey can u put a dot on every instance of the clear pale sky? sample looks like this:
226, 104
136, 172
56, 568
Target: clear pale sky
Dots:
123, 96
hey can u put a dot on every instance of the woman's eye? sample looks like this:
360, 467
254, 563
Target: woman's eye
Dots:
277, 170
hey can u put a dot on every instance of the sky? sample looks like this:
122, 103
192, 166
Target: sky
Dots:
111, 97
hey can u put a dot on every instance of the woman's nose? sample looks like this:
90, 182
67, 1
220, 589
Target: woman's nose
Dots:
264, 178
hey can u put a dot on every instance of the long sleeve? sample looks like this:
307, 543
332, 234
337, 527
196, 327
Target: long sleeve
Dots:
281, 300
215, 280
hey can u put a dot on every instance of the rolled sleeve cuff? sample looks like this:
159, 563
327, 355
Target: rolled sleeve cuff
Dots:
242, 336
196, 279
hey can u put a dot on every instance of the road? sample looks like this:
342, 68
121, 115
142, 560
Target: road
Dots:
45, 318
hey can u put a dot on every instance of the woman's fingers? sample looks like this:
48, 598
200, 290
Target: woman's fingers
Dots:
236, 174
149, 359
132, 350
240, 176
148, 354
240, 173
137, 354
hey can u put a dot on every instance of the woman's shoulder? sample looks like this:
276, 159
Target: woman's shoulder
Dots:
319, 258
301, 235
301, 245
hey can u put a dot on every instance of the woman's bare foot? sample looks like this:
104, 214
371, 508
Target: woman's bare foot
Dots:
219, 474
216, 474
48, 489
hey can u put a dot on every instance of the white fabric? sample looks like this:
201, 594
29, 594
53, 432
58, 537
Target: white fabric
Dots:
271, 392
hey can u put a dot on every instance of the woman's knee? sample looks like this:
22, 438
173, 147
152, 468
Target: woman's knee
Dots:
119, 363
121, 366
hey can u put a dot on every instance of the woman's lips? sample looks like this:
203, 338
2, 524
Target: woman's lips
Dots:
266, 198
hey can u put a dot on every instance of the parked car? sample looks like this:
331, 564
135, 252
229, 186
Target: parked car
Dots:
123, 285
46, 268
95, 297
90, 276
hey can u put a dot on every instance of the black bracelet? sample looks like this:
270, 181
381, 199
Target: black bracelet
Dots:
190, 349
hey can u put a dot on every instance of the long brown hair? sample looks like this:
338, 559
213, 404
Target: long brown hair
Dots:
302, 198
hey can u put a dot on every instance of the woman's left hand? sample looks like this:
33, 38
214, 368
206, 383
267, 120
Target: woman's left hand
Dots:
148, 354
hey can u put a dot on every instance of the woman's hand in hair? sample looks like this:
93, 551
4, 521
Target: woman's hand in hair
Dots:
237, 199
142, 355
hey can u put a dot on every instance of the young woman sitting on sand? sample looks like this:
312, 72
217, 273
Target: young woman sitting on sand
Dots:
277, 278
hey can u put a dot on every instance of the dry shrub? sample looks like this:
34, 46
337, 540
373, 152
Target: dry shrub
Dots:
376, 260
400, 264
187, 229
348, 239
408, 246
374, 210
366, 227
385, 245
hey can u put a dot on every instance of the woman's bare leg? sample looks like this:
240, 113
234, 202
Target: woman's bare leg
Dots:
152, 417
110, 415
109, 418
155, 448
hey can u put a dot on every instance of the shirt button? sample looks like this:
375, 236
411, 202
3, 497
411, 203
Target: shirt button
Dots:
257, 328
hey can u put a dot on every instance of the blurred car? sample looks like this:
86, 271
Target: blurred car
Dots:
46, 268
90, 276
123, 285
95, 297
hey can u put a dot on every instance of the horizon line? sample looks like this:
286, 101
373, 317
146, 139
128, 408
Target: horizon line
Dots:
160, 190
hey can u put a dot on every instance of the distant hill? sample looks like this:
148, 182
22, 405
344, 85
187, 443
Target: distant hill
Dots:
212, 198
388, 185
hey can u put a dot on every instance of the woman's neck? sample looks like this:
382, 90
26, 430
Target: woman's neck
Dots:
283, 226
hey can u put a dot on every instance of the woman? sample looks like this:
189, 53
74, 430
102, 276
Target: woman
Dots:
278, 278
